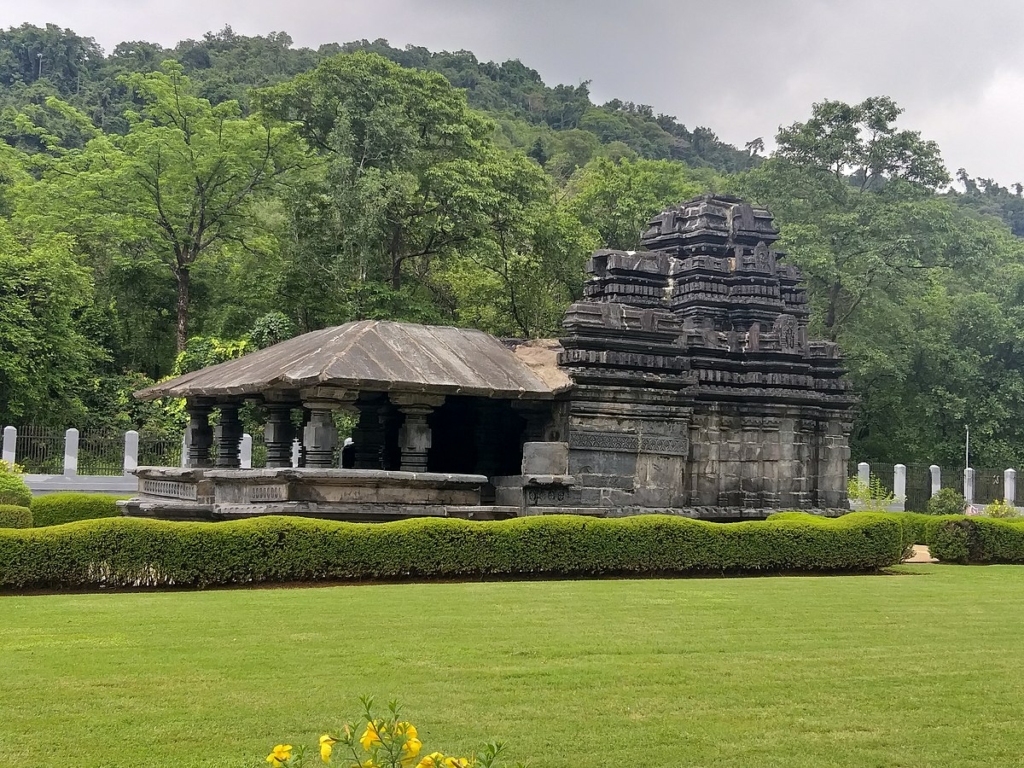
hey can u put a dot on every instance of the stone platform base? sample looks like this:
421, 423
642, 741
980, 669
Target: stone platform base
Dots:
338, 494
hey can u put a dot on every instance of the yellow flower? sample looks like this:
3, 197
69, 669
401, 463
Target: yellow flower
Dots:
326, 745
412, 745
371, 735
433, 760
456, 762
282, 753
410, 749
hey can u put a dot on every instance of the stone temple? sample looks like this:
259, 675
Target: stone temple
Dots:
684, 383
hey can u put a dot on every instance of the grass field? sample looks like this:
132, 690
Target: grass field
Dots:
917, 669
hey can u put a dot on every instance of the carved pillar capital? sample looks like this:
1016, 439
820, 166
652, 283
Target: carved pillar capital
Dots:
229, 436
279, 434
414, 437
200, 434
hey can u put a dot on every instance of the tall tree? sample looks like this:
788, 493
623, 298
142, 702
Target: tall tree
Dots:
183, 180
399, 150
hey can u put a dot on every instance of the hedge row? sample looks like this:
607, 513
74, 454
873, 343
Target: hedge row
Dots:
137, 552
60, 508
916, 527
12, 516
978, 540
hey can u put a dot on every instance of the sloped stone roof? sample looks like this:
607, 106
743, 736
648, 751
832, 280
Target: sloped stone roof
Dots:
380, 356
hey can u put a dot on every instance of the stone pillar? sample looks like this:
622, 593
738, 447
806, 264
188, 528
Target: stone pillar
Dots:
200, 433
899, 486
936, 474
279, 433
71, 452
131, 451
245, 452
969, 485
368, 435
296, 457
9, 445
320, 436
864, 473
1010, 487
229, 437
414, 438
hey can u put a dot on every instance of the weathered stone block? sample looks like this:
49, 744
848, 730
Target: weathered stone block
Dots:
545, 458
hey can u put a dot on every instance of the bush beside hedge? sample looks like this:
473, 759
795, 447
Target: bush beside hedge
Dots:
137, 552
916, 527
13, 490
978, 540
60, 508
12, 516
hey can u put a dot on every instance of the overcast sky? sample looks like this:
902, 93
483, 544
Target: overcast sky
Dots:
742, 68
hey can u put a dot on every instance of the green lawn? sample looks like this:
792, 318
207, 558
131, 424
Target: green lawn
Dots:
917, 669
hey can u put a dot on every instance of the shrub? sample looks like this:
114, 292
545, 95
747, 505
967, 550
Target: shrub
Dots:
387, 741
915, 527
12, 516
139, 552
1000, 508
12, 487
60, 508
979, 540
947, 502
871, 496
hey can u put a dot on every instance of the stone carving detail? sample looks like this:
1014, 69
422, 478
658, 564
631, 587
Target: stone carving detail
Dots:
786, 328
665, 446
170, 489
604, 441
267, 493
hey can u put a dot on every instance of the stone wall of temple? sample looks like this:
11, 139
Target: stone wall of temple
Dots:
696, 385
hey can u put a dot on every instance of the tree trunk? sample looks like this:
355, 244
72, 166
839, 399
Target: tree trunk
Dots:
832, 310
184, 283
395, 251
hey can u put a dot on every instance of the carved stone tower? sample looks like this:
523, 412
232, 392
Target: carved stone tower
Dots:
696, 387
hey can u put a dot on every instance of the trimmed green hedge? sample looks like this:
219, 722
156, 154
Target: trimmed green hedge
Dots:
13, 490
978, 540
138, 552
12, 516
917, 527
60, 508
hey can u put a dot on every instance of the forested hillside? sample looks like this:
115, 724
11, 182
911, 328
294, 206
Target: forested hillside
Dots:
161, 209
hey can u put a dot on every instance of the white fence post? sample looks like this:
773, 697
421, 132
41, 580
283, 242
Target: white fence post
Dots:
131, 451
864, 473
245, 452
71, 453
10, 444
899, 486
969, 485
936, 478
1010, 486
296, 452
184, 449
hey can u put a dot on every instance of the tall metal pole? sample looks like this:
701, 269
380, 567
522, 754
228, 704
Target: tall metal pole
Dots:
967, 449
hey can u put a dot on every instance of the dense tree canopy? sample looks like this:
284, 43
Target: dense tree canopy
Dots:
161, 209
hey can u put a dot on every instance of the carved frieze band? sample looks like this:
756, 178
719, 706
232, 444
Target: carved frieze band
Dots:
604, 441
268, 493
170, 489
620, 443
664, 446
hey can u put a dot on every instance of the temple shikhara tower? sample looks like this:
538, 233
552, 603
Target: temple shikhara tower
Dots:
684, 383
695, 383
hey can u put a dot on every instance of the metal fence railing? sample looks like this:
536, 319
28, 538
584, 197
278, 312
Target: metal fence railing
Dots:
40, 450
